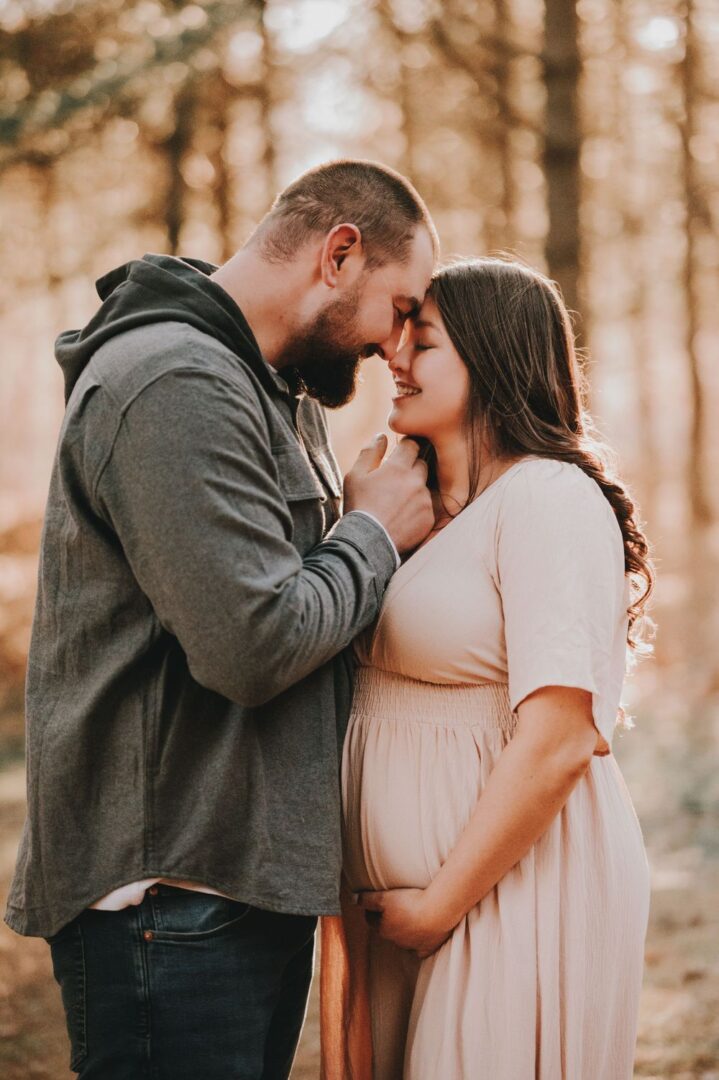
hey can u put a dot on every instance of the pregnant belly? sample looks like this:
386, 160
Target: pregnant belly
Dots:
409, 788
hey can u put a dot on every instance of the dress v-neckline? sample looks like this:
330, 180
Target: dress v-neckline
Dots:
409, 569
415, 559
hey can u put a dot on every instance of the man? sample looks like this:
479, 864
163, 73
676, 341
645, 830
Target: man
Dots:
188, 684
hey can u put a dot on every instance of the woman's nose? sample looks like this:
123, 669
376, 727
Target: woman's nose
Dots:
399, 361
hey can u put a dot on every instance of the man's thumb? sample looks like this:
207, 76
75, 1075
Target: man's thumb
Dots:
370, 457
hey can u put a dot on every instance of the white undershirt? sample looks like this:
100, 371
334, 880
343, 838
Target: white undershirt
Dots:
134, 893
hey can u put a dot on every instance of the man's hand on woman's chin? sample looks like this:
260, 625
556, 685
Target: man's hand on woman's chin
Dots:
406, 918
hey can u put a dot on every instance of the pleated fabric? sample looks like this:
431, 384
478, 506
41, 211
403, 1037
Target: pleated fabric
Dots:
542, 978
525, 588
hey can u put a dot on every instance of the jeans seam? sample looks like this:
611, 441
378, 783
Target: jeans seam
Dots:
82, 971
146, 998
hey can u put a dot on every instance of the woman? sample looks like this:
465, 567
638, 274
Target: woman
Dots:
489, 835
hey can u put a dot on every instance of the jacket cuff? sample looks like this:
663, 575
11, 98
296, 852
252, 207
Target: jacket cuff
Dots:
368, 536
397, 560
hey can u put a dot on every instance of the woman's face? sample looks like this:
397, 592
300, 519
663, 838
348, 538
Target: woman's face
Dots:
431, 380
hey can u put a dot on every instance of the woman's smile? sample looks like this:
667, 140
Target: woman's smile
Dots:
427, 364
404, 390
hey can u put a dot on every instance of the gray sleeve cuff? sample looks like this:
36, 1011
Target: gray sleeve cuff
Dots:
371, 539
390, 541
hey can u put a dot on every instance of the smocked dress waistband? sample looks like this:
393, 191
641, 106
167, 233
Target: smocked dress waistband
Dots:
387, 695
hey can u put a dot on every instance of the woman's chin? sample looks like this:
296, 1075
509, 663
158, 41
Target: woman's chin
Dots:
401, 425
399, 428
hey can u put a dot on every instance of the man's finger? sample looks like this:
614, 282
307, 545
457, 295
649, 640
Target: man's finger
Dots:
406, 451
420, 464
370, 456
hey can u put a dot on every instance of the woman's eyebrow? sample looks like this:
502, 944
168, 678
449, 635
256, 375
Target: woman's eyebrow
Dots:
420, 323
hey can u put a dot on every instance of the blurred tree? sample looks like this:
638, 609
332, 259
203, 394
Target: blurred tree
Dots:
562, 65
266, 90
698, 219
173, 149
627, 124
500, 232
479, 40
216, 119
399, 42
164, 125
90, 60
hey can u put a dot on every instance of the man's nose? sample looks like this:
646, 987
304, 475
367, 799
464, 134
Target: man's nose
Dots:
391, 344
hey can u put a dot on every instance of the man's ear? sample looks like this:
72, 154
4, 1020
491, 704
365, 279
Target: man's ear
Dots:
342, 242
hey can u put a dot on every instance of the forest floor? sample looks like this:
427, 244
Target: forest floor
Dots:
679, 1023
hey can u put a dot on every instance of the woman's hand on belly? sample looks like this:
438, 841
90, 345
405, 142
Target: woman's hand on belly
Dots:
405, 917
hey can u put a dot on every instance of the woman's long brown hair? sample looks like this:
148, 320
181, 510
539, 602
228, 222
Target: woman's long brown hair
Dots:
510, 327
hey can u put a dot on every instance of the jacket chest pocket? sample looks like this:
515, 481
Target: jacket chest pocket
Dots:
297, 479
305, 496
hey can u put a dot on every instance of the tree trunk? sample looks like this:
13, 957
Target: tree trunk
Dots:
173, 149
222, 186
409, 120
636, 311
699, 508
499, 228
562, 67
266, 102
635, 299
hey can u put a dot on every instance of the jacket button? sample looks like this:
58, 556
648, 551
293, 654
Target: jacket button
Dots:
148, 935
153, 891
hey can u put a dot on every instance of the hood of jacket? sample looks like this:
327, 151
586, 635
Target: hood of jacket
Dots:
161, 288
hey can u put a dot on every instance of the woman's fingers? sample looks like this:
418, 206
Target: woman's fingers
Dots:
371, 901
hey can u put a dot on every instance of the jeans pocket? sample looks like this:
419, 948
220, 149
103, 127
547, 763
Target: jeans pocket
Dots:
68, 965
196, 916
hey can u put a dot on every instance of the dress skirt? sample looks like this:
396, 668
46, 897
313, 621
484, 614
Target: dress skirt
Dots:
541, 980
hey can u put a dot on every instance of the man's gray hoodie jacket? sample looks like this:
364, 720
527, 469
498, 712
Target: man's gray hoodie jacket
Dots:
188, 680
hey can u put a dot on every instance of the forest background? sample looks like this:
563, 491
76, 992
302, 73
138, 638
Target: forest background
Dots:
584, 137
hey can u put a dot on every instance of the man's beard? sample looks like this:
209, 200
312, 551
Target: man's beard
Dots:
326, 355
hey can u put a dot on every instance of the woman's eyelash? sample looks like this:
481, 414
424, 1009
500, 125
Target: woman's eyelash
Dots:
422, 348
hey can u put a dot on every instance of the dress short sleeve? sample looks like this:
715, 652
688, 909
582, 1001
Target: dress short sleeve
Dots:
560, 571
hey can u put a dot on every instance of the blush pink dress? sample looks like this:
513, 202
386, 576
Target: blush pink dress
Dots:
541, 981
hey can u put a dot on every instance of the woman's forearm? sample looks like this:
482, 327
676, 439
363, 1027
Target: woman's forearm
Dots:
529, 785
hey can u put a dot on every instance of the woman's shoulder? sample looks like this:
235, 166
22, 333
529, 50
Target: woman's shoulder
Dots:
550, 471
549, 489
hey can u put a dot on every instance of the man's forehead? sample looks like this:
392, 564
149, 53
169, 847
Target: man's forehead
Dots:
419, 266
409, 280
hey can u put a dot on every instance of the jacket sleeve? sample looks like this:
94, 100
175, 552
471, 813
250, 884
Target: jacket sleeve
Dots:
191, 489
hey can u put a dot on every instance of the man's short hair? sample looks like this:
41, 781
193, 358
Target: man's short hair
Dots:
382, 204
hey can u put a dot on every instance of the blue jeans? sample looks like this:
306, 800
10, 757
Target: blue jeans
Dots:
186, 986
